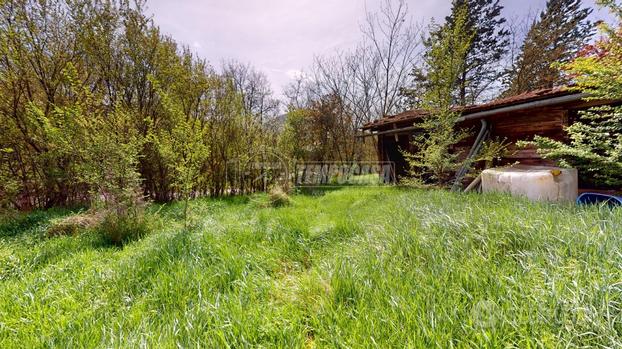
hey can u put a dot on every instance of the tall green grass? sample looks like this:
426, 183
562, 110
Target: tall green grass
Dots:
358, 267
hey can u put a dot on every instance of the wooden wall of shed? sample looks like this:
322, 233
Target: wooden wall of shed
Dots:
523, 126
511, 127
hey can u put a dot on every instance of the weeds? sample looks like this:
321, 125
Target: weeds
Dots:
121, 229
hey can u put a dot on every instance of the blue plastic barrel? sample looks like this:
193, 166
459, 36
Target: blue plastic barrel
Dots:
597, 198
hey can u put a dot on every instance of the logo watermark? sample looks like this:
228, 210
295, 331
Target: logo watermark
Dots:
309, 174
264, 170
257, 172
486, 314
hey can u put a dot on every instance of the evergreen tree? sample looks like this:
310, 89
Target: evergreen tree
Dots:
480, 69
595, 140
556, 37
490, 43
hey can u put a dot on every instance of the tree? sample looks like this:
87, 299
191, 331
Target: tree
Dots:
381, 67
296, 140
556, 37
183, 146
254, 89
595, 140
369, 78
360, 85
489, 44
433, 160
481, 68
75, 75
518, 26
321, 132
260, 109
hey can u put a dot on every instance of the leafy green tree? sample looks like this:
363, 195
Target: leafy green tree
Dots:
52, 52
321, 132
595, 140
556, 37
100, 141
433, 160
296, 140
183, 147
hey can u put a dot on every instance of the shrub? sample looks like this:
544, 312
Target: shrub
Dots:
278, 197
8, 216
120, 229
594, 147
115, 228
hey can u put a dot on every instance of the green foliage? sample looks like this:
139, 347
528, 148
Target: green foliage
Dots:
82, 120
10, 186
107, 149
560, 32
121, 229
296, 140
49, 106
441, 270
183, 148
596, 70
595, 140
433, 160
489, 44
493, 149
323, 131
594, 147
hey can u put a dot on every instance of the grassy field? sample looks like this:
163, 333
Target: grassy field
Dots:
357, 267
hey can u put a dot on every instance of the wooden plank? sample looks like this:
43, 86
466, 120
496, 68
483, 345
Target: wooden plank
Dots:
523, 154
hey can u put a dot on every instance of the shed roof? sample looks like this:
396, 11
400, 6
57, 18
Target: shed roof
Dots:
528, 97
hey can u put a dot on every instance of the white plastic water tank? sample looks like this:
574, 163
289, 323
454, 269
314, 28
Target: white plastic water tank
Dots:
538, 183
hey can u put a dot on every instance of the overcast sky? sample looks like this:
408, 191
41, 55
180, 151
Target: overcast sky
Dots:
281, 37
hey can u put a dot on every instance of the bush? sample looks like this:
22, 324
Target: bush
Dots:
594, 147
435, 159
278, 197
121, 229
8, 216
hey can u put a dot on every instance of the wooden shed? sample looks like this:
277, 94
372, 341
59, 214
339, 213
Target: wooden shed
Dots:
543, 112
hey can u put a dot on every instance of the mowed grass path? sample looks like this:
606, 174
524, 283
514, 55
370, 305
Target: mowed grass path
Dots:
357, 267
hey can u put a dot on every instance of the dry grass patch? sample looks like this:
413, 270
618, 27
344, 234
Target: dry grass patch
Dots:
74, 224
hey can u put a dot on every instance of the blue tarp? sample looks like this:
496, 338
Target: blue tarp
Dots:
597, 198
